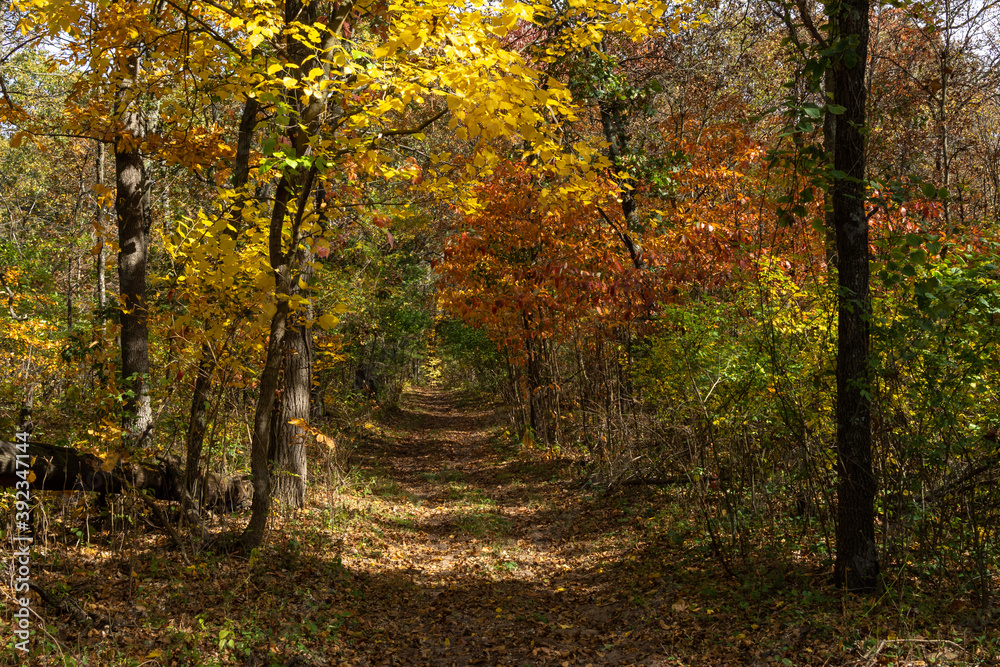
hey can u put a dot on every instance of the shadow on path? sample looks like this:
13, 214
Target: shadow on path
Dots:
486, 557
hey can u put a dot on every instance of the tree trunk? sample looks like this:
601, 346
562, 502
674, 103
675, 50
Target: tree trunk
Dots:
290, 467
260, 447
130, 173
613, 126
101, 258
69, 294
295, 184
196, 423
857, 565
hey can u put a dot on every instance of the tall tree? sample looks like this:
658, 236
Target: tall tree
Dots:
857, 565
133, 250
292, 196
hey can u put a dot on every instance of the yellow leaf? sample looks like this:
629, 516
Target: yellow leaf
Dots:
264, 281
109, 463
327, 321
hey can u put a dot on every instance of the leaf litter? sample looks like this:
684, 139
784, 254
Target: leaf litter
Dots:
454, 545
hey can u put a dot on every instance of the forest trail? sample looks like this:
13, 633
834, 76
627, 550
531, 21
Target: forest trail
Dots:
478, 555
448, 543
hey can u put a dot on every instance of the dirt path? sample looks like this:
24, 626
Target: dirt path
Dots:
479, 556
448, 545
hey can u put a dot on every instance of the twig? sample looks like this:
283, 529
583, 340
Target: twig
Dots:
161, 517
872, 655
67, 605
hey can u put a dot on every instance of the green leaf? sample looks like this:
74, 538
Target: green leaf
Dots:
835, 109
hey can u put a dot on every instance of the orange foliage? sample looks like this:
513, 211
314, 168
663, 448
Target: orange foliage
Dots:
526, 268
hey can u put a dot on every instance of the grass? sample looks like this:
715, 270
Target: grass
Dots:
482, 523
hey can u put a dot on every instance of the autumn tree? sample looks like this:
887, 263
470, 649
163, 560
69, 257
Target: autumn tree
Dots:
931, 67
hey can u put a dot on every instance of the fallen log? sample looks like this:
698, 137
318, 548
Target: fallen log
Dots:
59, 468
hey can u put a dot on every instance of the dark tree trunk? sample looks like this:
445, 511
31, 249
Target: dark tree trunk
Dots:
248, 123
290, 467
197, 422
857, 566
613, 126
295, 185
260, 467
260, 448
69, 294
829, 147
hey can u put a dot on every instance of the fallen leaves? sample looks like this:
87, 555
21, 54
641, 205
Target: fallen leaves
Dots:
447, 551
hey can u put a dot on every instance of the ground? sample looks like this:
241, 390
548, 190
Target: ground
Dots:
449, 543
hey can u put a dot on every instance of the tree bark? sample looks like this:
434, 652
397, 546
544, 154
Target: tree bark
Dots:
196, 422
130, 179
856, 566
613, 126
260, 446
290, 465
101, 259
829, 147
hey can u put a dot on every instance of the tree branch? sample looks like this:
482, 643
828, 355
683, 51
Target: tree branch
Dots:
10, 298
634, 252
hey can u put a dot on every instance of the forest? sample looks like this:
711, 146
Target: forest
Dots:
543, 332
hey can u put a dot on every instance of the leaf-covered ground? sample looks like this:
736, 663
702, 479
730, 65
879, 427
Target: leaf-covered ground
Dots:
449, 545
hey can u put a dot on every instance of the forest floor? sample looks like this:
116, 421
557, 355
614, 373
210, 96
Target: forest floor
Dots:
450, 544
